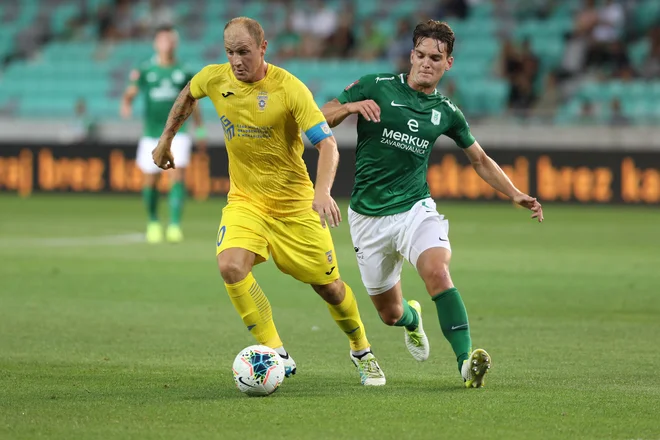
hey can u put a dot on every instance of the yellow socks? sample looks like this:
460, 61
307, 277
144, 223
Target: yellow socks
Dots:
253, 306
347, 317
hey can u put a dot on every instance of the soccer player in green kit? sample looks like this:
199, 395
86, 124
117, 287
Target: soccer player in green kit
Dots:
391, 215
160, 79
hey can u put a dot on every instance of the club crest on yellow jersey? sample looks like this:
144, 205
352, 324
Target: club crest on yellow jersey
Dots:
262, 100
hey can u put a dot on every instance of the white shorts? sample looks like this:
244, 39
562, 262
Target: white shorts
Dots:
382, 243
181, 149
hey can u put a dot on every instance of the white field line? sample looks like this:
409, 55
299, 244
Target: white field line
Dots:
101, 240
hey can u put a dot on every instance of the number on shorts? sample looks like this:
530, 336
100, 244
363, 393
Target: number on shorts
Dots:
221, 235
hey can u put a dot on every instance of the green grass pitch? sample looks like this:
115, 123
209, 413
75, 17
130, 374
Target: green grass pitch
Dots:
104, 337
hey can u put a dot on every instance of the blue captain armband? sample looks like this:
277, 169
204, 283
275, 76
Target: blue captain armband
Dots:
318, 132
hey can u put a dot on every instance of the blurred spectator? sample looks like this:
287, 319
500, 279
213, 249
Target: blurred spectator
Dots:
452, 9
530, 62
314, 24
520, 69
157, 15
587, 115
82, 127
399, 49
342, 42
117, 22
288, 42
610, 22
510, 63
316, 19
618, 62
373, 42
617, 118
549, 99
651, 66
586, 19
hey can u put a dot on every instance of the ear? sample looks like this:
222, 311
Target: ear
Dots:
412, 53
263, 48
450, 62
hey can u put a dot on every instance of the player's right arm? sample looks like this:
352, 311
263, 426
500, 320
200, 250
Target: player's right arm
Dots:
353, 99
335, 112
130, 93
181, 110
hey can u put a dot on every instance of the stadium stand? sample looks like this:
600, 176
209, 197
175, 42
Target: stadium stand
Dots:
564, 62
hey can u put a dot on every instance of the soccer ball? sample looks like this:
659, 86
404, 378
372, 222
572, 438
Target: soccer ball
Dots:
258, 370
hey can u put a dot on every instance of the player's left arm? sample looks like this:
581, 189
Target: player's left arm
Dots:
491, 172
486, 167
323, 203
310, 119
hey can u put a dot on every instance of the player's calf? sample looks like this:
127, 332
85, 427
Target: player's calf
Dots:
333, 293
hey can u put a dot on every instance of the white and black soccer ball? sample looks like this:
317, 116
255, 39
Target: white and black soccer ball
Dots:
258, 370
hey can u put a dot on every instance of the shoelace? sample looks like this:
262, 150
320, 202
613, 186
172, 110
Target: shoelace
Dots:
416, 338
370, 367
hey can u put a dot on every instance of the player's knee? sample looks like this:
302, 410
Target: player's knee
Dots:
149, 180
232, 270
177, 175
437, 278
391, 315
332, 293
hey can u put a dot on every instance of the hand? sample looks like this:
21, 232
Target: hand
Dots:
162, 155
326, 206
530, 203
367, 108
125, 111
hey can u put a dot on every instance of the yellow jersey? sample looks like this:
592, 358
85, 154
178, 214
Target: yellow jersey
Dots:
262, 122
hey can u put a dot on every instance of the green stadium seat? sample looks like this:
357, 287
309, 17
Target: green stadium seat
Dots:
61, 16
646, 14
637, 52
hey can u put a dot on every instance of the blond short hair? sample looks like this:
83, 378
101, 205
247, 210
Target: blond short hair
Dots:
251, 25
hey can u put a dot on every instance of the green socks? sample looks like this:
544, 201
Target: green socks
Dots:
454, 323
177, 195
409, 319
150, 197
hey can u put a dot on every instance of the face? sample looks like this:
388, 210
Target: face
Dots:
243, 53
429, 62
165, 42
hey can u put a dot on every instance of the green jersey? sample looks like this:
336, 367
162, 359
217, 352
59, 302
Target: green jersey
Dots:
393, 154
160, 86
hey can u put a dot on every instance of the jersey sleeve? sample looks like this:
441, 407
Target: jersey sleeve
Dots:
199, 82
460, 129
357, 90
307, 114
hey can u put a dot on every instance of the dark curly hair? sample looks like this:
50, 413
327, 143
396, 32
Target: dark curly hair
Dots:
437, 30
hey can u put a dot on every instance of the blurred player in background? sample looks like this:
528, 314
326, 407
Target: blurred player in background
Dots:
391, 215
273, 207
160, 80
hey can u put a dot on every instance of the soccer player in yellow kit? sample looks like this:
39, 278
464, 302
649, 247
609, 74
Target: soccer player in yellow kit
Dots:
273, 208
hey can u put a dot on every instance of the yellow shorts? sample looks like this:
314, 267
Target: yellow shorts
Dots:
300, 246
